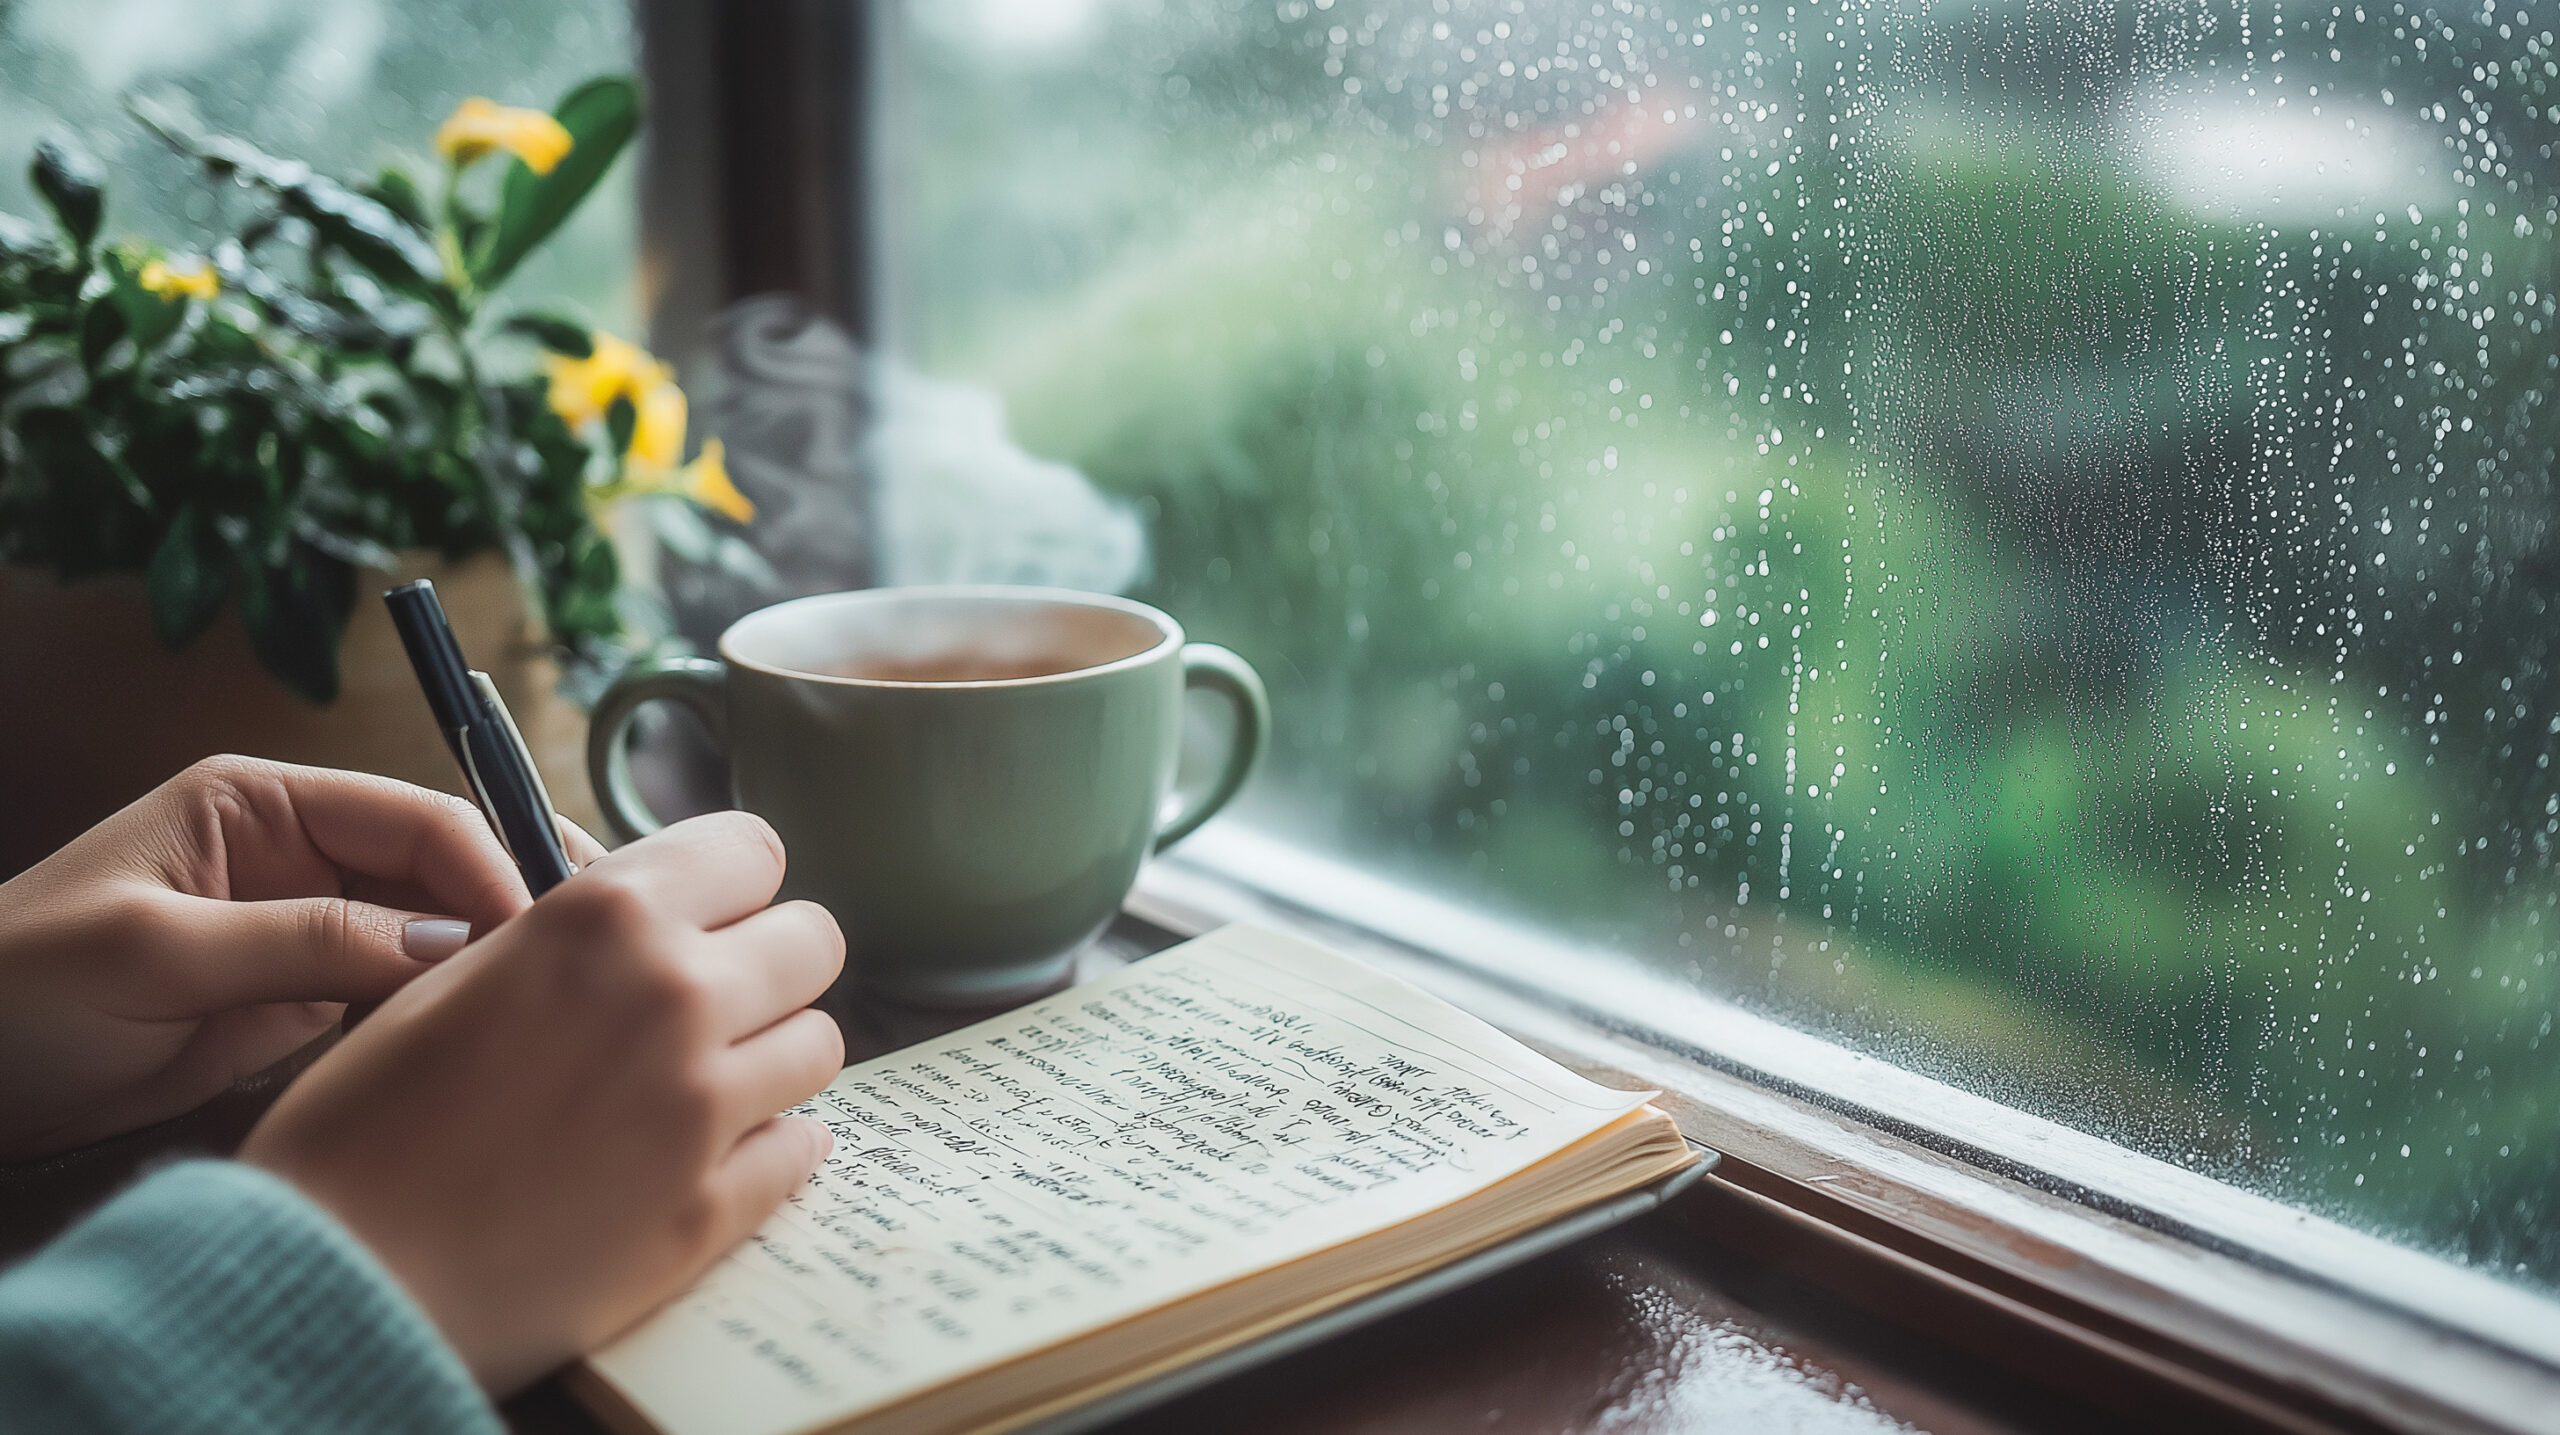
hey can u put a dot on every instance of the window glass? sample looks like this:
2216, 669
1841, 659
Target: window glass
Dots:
2018, 535
345, 85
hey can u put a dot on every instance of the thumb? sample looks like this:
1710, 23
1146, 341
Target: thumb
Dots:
325, 949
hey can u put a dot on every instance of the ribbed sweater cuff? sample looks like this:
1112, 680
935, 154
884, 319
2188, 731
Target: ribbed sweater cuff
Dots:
214, 1297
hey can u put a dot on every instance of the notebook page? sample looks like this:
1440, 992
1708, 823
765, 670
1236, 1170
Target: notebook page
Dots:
1235, 1103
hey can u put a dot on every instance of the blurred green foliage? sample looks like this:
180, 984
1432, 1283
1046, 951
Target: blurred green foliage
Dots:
1891, 544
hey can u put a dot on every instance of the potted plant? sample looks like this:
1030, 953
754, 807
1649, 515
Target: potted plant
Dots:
207, 459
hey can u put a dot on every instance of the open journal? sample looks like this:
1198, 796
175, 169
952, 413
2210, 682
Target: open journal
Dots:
1036, 1211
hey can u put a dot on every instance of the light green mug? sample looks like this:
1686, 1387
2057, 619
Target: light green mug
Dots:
967, 777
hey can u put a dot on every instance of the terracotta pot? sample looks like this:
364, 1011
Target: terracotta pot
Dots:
95, 710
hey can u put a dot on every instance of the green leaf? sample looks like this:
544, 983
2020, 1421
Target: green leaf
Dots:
70, 181
685, 532
368, 230
44, 374
261, 227
470, 227
99, 330
370, 234
620, 421
353, 549
189, 576
394, 190
296, 611
738, 558
22, 240
148, 317
344, 327
559, 335
581, 588
222, 156
601, 117
92, 514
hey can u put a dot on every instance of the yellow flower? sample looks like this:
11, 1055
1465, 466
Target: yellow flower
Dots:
583, 389
478, 126
187, 279
657, 439
706, 481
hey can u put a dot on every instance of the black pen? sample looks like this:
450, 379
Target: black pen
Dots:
483, 737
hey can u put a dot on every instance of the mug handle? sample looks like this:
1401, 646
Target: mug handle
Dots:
697, 683
1208, 666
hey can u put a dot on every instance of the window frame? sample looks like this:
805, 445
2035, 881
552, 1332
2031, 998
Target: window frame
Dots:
2151, 1261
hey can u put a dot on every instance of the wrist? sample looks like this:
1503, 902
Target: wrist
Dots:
421, 1247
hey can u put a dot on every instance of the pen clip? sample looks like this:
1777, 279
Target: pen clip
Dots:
460, 737
496, 705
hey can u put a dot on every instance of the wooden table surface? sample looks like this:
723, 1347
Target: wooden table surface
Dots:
1662, 1325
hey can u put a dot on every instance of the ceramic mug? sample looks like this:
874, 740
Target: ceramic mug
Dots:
967, 777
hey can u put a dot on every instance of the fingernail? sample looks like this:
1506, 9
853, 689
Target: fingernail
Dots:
432, 939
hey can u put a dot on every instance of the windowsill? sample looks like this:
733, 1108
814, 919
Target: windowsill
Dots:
2156, 1264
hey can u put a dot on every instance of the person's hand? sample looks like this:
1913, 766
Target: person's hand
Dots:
553, 1132
213, 927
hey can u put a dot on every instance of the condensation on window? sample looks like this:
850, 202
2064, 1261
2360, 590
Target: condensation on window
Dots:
345, 85
2017, 535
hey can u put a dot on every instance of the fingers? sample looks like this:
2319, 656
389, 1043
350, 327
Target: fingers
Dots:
312, 949
277, 831
393, 832
765, 1167
225, 1048
706, 871
765, 966
581, 846
779, 1067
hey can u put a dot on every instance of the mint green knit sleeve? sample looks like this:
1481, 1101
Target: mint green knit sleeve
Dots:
213, 1297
